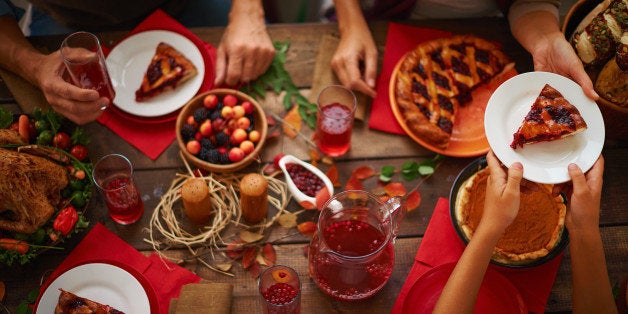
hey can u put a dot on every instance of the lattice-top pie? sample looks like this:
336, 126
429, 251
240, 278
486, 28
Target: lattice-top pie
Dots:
438, 76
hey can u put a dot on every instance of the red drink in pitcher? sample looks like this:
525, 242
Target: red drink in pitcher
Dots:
334, 126
123, 200
372, 260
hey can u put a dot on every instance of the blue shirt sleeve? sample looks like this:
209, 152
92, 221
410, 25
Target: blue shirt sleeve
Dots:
7, 8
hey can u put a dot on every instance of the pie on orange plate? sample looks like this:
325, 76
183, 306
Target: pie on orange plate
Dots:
438, 76
551, 117
167, 69
70, 303
537, 229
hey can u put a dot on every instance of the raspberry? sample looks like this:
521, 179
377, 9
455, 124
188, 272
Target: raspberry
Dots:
200, 115
187, 132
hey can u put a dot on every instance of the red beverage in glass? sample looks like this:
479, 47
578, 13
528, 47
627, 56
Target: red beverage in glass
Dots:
280, 290
92, 75
371, 260
281, 294
334, 126
123, 200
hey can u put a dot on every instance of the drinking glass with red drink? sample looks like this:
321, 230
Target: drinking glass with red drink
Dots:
351, 256
280, 290
85, 63
113, 176
334, 120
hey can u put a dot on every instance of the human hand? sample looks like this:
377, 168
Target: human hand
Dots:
356, 46
77, 104
501, 203
584, 197
245, 51
555, 54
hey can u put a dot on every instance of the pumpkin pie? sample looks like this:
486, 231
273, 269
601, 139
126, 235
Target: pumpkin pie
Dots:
533, 234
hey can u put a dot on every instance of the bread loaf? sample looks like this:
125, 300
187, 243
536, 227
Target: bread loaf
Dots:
196, 200
254, 197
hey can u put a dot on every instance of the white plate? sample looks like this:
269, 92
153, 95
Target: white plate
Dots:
544, 162
128, 61
103, 283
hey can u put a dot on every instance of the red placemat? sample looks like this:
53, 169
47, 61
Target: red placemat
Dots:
100, 245
150, 137
441, 245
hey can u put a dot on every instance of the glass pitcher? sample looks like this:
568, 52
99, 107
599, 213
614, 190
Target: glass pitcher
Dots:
351, 256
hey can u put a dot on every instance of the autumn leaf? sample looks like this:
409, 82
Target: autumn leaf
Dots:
287, 220
413, 200
363, 172
293, 119
307, 228
275, 133
269, 254
307, 205
234, 249
354, 184
270, 120
314, 156
255, 270
395, 189
248, 258
322, 196
224, 266
250, 237
332, 174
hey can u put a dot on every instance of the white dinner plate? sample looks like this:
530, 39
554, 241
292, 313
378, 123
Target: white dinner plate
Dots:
544, 162
128, 61
100, 282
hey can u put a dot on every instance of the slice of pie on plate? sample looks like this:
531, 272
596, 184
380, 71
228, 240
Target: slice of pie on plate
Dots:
70, 303
167, 69
551, 117
536, 230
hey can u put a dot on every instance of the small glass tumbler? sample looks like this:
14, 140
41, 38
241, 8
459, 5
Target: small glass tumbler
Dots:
113, 175
336, 109
85, 63
280, 290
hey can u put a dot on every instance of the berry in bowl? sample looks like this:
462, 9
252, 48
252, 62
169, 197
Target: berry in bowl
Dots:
222, 130
304, 180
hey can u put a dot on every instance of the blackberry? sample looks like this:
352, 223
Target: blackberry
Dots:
214, 156
200, 115
206, 143
215, 114
221, 139
224, 158
219, 106
187, 132
204, 154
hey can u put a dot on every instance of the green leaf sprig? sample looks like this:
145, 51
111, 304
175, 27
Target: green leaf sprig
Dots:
277, 79
411, 170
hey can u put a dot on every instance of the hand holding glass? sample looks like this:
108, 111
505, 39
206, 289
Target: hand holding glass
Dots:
113, 175
336, 109
85, 63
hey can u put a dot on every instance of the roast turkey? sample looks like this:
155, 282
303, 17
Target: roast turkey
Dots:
30, 187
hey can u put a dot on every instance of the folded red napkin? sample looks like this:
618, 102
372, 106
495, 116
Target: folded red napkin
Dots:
161, 279
153, 138
400, 39
441, 245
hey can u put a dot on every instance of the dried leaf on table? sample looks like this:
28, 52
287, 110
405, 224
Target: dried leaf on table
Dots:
269, 254
248, 258
322, 196
354, 184
307, 228
255, 270
395, 189
234, 249
332, 174
413, 201
288, 220
307, 205
250, 237
224, 266
363, 172
260, 259
293, 119
273, 134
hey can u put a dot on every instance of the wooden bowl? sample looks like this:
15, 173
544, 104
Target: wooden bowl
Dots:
259, 122
613, 114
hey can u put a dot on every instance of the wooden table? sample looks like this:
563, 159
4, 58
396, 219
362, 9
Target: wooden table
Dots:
369, 147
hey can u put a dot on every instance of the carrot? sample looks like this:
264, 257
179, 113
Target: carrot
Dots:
9, 244
23, 126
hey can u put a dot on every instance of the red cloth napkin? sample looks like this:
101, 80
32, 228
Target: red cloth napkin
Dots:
153, 138
400, 39
161, 279
442, 245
